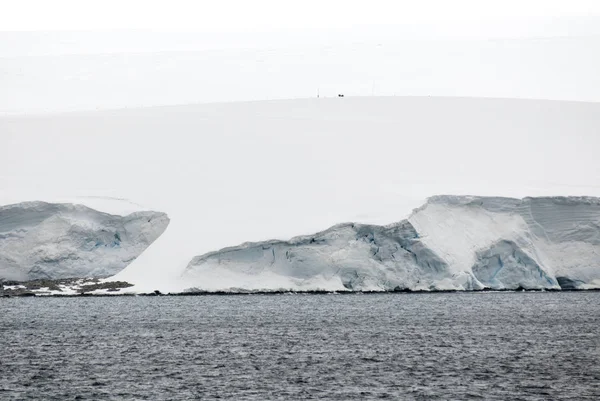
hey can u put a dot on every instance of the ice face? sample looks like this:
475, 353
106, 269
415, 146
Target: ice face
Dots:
543, 238
46, 240
344, 257
505, 266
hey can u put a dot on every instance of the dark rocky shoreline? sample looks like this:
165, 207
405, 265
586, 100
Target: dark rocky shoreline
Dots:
84, 287
80, 286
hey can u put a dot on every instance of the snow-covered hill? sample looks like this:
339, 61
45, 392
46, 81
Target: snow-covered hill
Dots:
50, 240
452, 242
234, 172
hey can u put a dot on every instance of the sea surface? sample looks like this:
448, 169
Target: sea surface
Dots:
471, 346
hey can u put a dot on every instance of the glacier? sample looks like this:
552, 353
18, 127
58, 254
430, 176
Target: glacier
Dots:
450, 243
40, 240
234, 172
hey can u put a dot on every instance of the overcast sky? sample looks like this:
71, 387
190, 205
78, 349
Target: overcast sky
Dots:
269, 15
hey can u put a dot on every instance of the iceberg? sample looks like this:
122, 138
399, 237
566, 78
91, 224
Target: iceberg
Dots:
450, 243
40, 240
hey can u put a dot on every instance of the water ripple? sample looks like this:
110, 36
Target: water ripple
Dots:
494, 346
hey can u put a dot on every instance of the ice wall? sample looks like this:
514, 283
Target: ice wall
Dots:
344, 257
506, 243
452, 242
51, 240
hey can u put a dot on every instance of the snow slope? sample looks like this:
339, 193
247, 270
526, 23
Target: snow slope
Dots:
452, 242
50, 240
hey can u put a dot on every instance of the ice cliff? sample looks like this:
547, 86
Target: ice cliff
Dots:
451, 242
52, 240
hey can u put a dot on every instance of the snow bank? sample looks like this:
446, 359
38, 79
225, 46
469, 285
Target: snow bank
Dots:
49, 240
452, 242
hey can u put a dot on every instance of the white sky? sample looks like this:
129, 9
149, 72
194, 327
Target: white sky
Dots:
269, 15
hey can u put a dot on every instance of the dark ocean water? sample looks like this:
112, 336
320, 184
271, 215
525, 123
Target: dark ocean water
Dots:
488, 346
